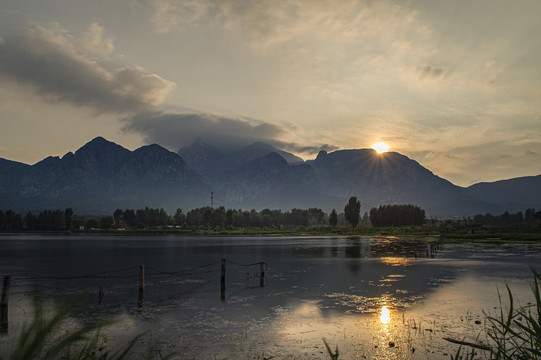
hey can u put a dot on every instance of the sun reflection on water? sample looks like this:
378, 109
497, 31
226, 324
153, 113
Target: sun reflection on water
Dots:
385, 316
395, 261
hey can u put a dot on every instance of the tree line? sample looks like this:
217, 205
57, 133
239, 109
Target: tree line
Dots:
530, 216
210, 217
397, 215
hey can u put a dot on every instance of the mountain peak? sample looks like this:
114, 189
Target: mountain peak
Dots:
271, 159
99, 145
259, 149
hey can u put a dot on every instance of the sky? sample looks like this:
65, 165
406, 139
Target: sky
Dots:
454, 85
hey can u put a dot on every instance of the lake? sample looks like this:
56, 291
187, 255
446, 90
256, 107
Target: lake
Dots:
372, 297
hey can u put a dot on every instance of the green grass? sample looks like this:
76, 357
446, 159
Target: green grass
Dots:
46, 336
514, 334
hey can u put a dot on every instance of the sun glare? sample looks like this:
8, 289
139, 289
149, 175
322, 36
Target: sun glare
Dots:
380, 147
385, 316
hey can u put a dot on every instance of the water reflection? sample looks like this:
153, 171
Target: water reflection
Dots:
385, 315
361, 293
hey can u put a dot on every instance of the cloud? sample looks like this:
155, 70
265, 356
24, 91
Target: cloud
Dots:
176, 130
95, 41
303, 148
59, 70
432, 72
168, 15
182, 129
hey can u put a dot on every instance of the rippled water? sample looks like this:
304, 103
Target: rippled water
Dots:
372, 297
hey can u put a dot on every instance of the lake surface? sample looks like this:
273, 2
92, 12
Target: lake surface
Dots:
372, 297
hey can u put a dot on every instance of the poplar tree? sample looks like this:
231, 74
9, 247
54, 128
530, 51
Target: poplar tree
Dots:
333, 218
352, 211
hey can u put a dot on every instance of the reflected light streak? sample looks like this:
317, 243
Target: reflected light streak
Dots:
385, 316
395, 261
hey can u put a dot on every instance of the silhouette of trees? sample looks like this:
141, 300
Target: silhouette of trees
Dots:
216, 218
10, 220
91, 224
179, 217
106, 222
505, 219
333, 218
397, 215
118, 217
237, 218
68, 213
352, 211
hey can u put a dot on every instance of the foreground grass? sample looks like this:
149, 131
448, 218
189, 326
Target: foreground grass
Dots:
513, 334
46, 337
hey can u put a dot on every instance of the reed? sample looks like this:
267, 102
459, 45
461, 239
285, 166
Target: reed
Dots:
46, 337
514, 334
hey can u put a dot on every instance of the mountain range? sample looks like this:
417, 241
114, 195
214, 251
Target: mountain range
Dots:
102, 176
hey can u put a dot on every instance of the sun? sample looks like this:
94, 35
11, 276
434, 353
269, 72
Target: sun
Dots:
380, 147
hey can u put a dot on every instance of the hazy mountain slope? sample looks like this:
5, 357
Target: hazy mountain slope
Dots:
102, 176
11, 175
513, 195
269, 182
209, 161
258, 150
213, 164
389, 178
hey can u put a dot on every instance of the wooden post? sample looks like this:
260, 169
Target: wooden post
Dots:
142, 278
141, 297
222, 281
100, 295
4, 304
5, 290
262, 274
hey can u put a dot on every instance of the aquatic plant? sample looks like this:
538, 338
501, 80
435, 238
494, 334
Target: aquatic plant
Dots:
334, 356
515, 333
46, 337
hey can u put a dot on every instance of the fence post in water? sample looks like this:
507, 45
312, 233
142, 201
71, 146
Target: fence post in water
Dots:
4, 304
141, 298
222, 281
262, 274
142, 278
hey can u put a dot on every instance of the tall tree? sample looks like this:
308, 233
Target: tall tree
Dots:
333, 218
68, 215
179, 217
352, 211
117, 217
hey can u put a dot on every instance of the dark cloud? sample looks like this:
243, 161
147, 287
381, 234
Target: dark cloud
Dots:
431, 72
305, 149
58, 71
182, 129
177, 130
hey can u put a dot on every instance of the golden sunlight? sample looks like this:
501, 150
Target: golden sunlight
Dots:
380, 147
385, 316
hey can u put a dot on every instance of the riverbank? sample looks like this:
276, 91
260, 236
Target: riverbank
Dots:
452, 234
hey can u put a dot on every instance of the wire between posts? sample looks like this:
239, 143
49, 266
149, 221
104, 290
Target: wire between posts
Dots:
98, 275
245, 265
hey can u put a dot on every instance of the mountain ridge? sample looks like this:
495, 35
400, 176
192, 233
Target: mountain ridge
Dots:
102, 175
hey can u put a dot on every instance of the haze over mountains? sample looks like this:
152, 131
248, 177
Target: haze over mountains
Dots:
102, 176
